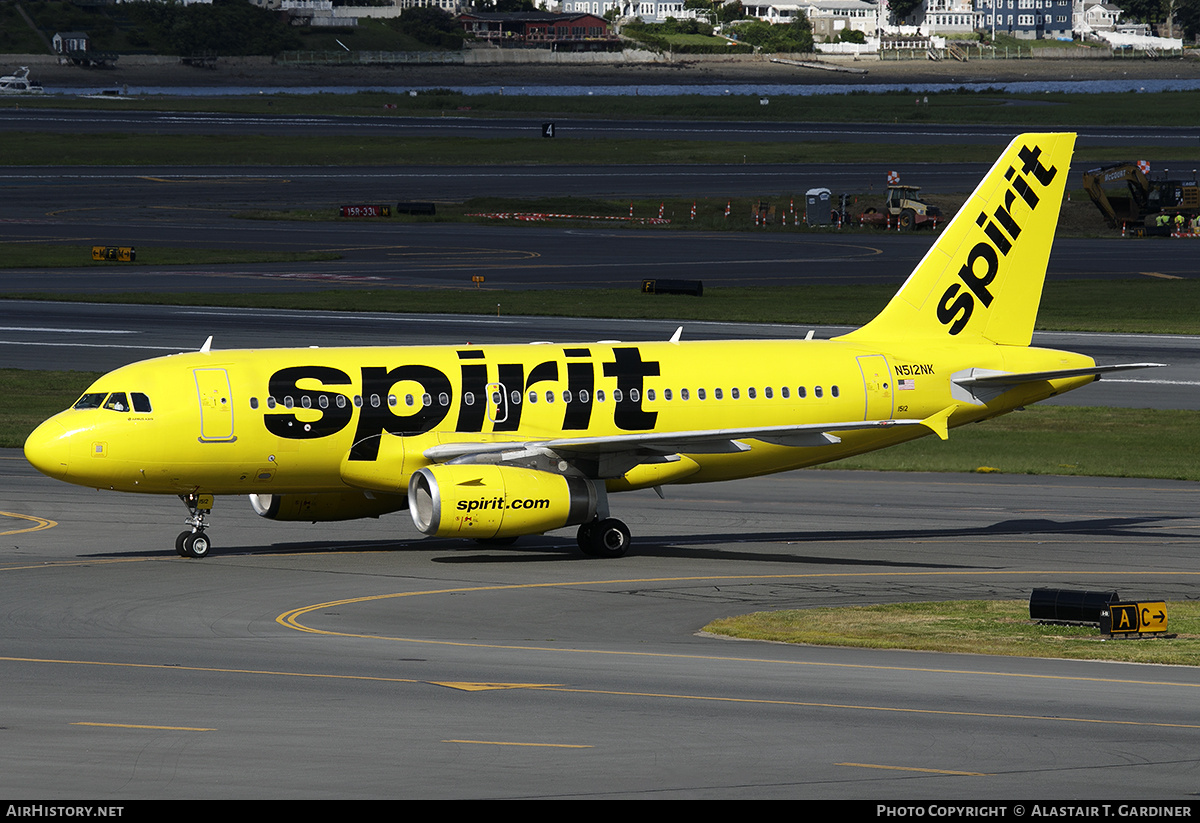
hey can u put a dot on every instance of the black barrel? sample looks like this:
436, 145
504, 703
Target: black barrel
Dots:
1068, 606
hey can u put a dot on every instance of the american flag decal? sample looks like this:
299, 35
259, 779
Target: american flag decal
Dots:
907, 385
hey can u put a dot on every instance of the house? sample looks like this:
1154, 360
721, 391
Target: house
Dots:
829, 18
1098, 15
76, 47
1027, 19
950, 17
65, 42
573, 32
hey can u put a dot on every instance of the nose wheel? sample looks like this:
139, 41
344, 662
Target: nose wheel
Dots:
194, 542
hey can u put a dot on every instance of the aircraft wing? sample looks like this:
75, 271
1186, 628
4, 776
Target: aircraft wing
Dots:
707, 441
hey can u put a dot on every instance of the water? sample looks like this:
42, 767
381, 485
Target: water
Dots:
1110, 86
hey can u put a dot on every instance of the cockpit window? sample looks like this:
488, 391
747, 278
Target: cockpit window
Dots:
91, 400
117, 401
141, 403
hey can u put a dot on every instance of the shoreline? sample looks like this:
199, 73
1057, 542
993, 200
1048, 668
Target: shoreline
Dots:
162, 71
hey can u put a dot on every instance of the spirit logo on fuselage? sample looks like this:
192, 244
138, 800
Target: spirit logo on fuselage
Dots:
956, 305
508, 385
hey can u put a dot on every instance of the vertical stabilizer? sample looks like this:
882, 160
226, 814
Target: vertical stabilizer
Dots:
982, 280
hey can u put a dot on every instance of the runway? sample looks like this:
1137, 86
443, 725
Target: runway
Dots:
331, 661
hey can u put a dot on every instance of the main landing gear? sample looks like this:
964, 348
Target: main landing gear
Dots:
195, 543
604, 538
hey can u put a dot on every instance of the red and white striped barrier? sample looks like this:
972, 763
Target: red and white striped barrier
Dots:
538, 216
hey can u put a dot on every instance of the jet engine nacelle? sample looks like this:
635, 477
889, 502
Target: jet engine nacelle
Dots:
327, 506
486, 501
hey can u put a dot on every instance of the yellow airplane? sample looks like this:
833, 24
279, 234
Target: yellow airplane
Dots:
494, 442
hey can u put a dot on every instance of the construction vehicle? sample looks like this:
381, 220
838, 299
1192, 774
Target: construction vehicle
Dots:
1148, 194
903, 209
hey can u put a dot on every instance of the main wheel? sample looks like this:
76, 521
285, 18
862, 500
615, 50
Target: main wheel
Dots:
584, 537
197, 545
607, 538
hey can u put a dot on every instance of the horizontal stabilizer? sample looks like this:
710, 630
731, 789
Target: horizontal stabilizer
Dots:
982, 385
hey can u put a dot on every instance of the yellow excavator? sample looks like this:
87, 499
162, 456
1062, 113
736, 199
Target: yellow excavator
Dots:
1146, 195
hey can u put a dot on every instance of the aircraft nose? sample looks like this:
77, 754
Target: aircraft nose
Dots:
48, 449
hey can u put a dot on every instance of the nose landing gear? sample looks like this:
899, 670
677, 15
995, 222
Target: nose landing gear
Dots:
195, 543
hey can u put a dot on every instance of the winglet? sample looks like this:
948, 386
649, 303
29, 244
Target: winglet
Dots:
936, 423
207, 345
678, 334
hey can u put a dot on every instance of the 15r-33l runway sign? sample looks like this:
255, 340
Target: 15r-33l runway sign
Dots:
1134, 618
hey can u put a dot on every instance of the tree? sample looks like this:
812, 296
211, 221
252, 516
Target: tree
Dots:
433, 26
1168, 15
901, 9
226, 27
785, 37
1188, 18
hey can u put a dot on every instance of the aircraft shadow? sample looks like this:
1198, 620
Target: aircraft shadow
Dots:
540, 549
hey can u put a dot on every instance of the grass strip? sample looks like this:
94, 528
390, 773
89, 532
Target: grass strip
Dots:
108, 149
768, 213
30, 396
1063, 440
1148, 306
1000, 627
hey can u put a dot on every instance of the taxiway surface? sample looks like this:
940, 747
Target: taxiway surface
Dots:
356, 660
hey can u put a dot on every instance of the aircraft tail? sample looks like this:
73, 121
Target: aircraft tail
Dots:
982, 280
